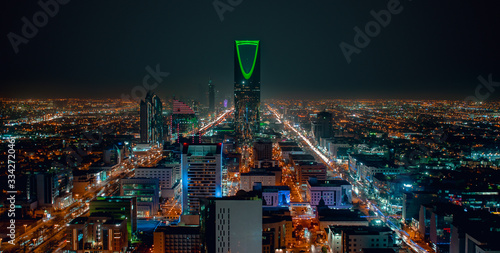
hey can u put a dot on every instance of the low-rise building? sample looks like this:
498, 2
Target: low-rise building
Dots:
306, 170
177, 239
247, 180
339, 217
356, 238
102, 234
276, 196
147, 192
334, 193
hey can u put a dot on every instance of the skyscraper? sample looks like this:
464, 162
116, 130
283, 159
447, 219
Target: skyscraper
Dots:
231, 224
151, 126
247, 86
322, 126
183, 119
201, 174
263, 150
211, 97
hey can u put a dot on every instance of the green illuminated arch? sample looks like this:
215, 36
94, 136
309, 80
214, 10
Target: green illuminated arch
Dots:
247, 42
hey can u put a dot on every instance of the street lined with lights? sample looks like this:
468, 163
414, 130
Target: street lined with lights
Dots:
401, 233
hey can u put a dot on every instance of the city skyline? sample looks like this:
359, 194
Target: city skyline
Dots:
443, 51
250, 126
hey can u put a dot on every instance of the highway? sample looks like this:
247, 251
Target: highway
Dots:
217, 121
49, 234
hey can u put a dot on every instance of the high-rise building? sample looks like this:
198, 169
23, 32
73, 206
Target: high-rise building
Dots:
322, 126
201, 170
247, 87
263, 150
211, 97
151, 125
53, 187
231, 224
183, 120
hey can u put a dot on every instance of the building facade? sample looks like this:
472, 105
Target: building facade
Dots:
358, 238
177, 239
247, 180
247, 87
231, 224
101, 234
335, 193
146, 191
201, 174
322, 126
117, 207
151, 116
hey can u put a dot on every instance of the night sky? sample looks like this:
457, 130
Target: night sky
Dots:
98, 49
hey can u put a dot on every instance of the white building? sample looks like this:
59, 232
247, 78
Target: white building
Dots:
247, 180
231, 224
355, 239
366, 166
335, 193
164, 175
276, 195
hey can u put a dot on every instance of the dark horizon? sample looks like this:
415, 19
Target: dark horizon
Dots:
428, 50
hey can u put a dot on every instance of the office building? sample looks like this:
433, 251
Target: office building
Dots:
103, 234
247, 87
151, 114
117, 207
339, 217
168, 175
275, 196
231, 224
279, 230
146, 191
307, 170
53, 188
334, 193
201, 174
183, 120
247, 180
177, 239
357, 238
322, 126
263, 150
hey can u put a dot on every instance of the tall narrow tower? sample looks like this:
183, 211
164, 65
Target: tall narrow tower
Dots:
151, 119
247, 87
211, 97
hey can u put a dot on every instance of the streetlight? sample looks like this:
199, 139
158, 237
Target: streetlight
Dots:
25, 225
